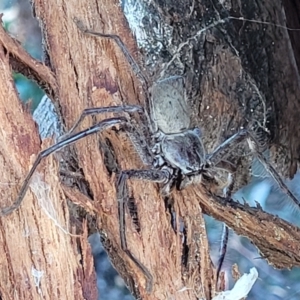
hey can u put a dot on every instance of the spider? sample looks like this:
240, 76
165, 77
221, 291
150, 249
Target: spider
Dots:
172, 151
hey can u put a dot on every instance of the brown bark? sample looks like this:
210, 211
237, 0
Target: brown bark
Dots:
32, 244
89, 72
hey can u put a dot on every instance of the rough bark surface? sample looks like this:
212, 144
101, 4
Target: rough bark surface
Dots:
92, 72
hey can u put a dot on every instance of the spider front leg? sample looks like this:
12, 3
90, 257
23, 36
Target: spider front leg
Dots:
101, 110
134, 134
119, 42
159, 176
105, 124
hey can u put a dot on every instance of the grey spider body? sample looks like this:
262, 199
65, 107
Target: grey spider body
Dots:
178, 149
177, 144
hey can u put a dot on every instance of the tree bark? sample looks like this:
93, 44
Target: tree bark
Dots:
228, 63
40, 255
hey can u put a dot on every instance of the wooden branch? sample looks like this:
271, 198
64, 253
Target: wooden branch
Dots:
40, 255
276, 239
23, 63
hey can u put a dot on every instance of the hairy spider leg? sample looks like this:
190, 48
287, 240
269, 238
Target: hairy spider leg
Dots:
254, 146
216, 156
135, 135
158, 176
120, 43
101, 110
224, 236
61, 144
223, 249
226, 147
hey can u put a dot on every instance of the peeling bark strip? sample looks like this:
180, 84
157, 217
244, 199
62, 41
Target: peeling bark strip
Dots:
23, 63
236, 72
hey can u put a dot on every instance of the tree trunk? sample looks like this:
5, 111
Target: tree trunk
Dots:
235, 71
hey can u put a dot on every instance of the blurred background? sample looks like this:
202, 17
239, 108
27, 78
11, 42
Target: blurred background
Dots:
272, 284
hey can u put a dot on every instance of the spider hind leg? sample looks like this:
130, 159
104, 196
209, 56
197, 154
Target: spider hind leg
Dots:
152, 175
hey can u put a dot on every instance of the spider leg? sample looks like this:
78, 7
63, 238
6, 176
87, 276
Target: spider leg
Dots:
61, 144
226, 147
102, 110
135, 135
223, 249
254, 146
120, 43
139, 142
220, 152
225, 233
160, 176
